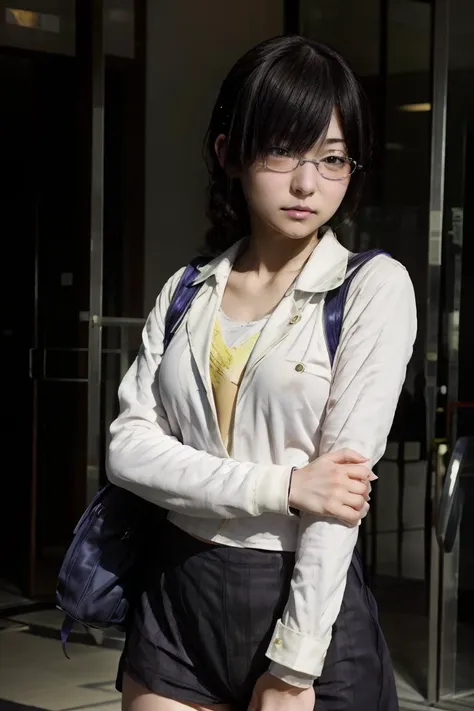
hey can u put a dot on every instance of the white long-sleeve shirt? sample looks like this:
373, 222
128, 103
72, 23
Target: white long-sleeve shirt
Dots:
291, 408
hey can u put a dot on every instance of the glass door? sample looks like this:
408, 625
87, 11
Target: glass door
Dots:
452, 659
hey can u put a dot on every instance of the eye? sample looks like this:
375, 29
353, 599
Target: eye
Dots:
278, 152
334, 160
280, 160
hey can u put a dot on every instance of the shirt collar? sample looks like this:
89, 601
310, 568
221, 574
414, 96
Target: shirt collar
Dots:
326, 267
324, 270
221, 266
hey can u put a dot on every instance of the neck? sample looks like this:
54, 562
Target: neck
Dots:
277, 253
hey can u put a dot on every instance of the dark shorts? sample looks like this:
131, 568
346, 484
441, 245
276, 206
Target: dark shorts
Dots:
205, 619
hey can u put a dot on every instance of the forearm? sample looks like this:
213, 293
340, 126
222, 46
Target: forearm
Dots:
302, 637
157, 467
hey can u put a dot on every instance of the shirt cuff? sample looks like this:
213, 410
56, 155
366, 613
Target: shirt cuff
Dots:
272, 489
299, 652
302, 681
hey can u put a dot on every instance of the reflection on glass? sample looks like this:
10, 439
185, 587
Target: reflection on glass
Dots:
415, 108
51, 32
119, 28
23, 18
33, 20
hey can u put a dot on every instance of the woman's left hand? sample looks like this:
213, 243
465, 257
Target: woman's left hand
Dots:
273, 694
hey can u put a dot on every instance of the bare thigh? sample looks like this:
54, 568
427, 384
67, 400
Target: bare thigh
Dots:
137, 698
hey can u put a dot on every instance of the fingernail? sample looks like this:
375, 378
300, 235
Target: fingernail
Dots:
372, 476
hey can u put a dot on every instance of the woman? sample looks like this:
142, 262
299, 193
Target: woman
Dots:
258, 447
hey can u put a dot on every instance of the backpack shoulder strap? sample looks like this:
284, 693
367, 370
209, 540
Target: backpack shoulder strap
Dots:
182, 298
336, 298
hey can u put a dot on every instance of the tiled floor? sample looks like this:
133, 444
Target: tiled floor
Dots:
35, 673
10, 597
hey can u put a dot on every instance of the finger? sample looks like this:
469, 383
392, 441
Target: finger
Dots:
356, 471
343, 456
358, 487
348, 515
359, 471
355, 501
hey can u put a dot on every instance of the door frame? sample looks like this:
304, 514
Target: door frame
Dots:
437, 450
133, 283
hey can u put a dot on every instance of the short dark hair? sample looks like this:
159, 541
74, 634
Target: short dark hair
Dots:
281, 92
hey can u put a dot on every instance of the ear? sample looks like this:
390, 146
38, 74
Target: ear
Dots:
220, 148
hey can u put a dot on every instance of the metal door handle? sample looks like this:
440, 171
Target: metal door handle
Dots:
119, 321
452, 498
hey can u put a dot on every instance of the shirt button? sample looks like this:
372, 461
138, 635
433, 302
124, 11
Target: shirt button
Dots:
278, 642
299, 367
295, 319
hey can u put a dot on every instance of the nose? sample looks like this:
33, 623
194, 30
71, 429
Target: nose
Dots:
305, 180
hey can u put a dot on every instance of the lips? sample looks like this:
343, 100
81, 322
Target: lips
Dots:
299, 212
299, 208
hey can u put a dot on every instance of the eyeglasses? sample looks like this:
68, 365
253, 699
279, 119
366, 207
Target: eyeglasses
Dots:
331, 167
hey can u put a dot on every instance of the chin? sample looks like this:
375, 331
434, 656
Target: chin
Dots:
306, 235
298, 230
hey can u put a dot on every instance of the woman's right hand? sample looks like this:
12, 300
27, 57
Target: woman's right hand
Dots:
336, 485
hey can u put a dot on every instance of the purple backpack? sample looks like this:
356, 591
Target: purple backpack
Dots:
99, 578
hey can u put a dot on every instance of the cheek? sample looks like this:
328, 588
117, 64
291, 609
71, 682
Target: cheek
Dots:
335, 193
262, 189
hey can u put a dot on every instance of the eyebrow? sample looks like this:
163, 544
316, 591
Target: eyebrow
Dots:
332, 141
